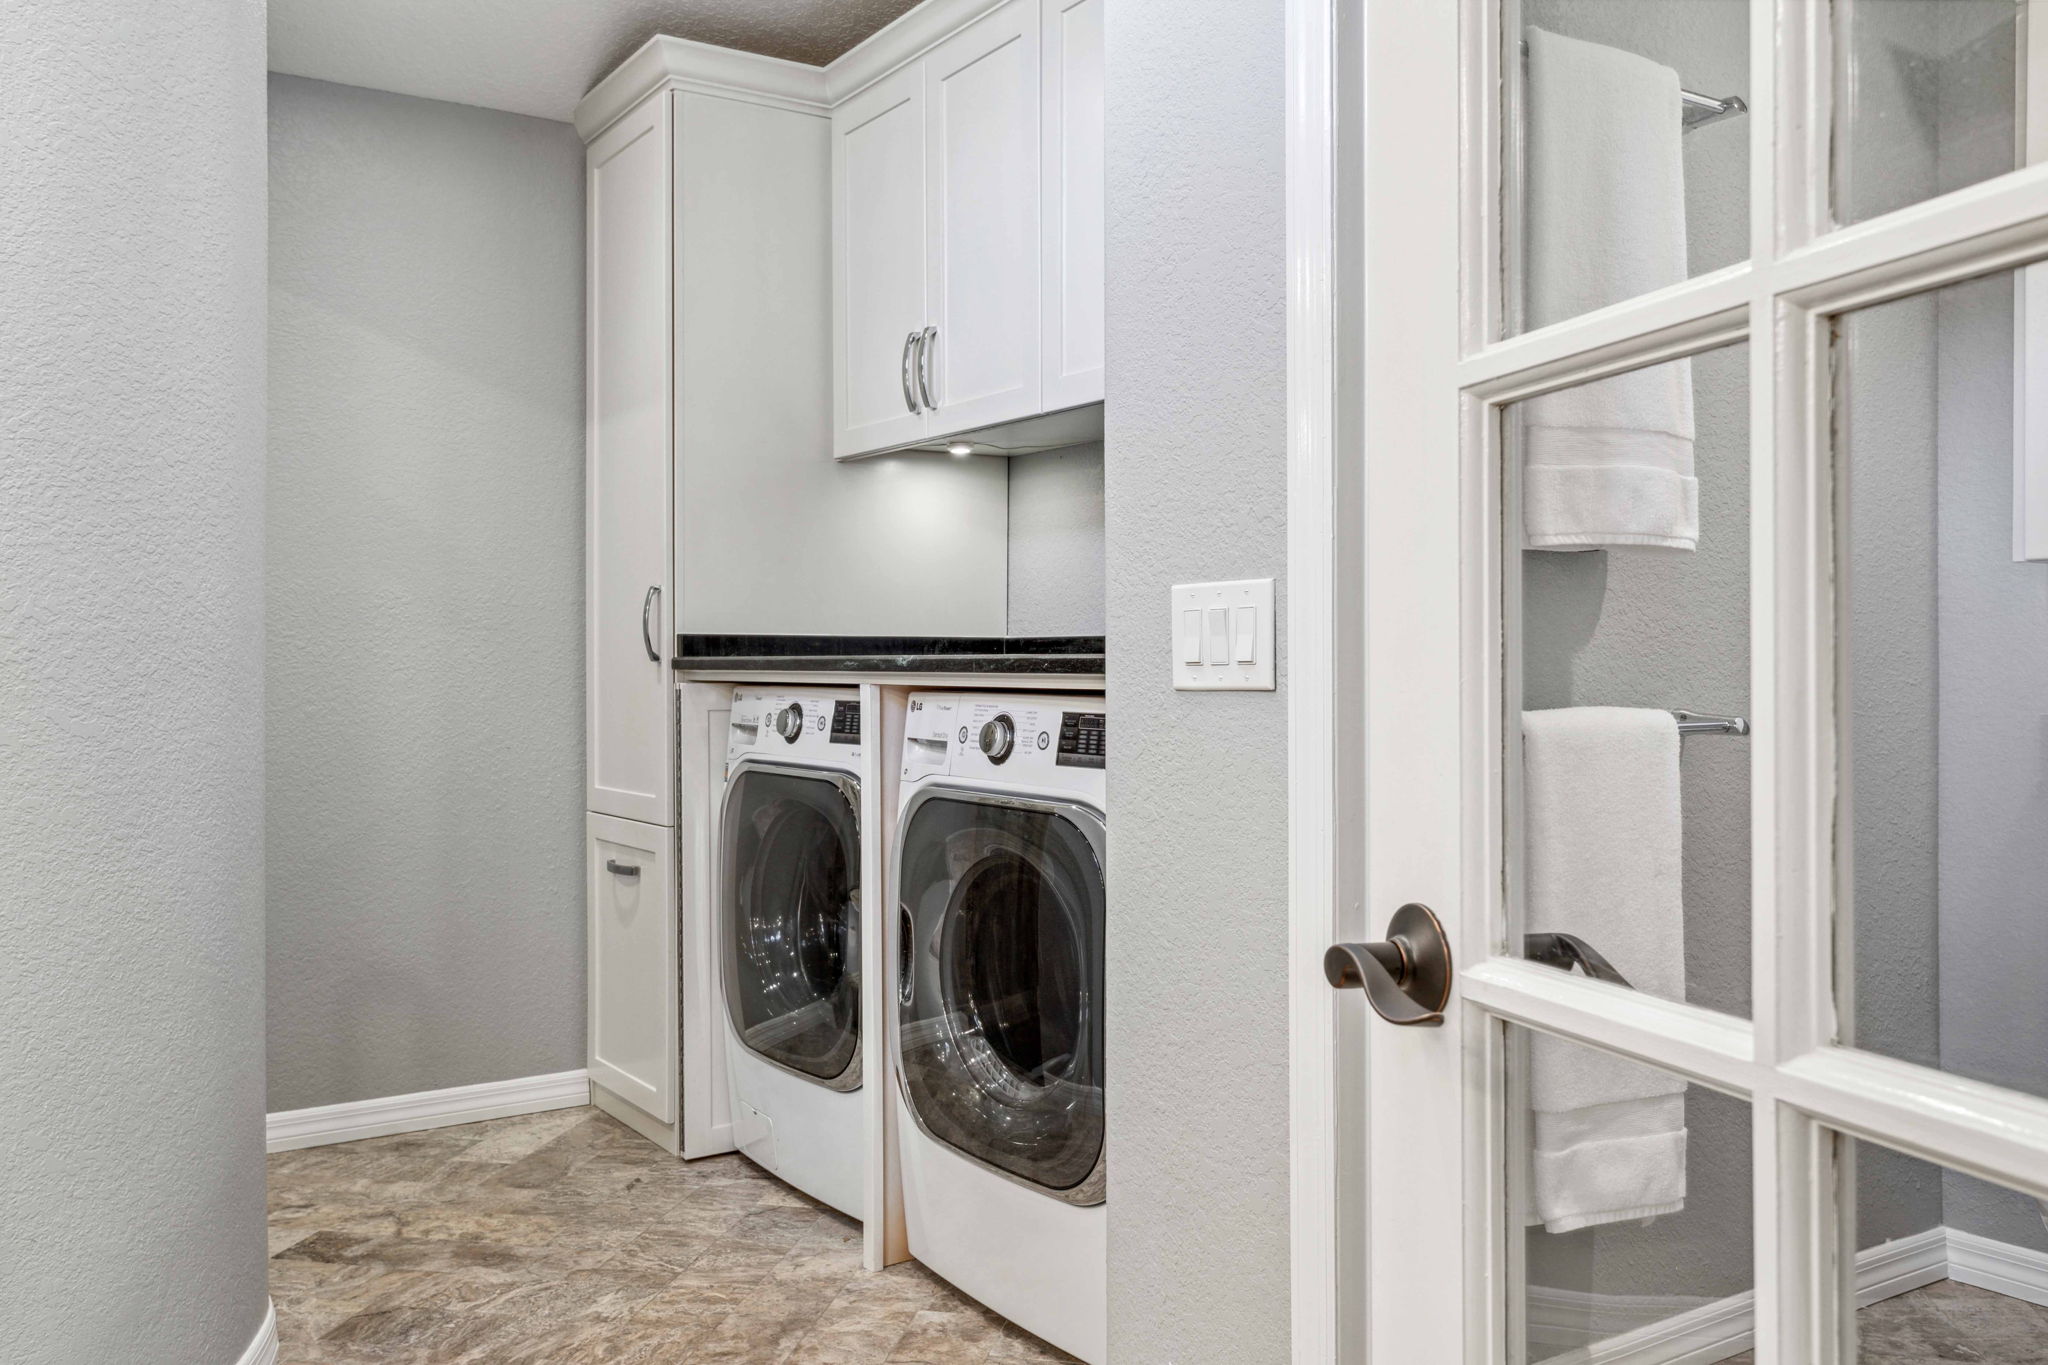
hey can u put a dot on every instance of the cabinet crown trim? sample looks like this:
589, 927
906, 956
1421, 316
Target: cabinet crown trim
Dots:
684, 64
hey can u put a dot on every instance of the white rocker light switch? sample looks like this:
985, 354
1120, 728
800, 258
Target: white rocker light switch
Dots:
1223, 636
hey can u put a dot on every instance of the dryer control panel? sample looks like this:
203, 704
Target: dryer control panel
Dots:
818, 725
1051, 742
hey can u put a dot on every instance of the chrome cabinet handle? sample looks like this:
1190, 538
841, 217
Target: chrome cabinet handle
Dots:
646, 633
903, 371
619, 869
1406, 976
927, 343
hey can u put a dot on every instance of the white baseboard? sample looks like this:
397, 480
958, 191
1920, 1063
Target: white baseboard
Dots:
1615, 1329
263, 1346
2000, 1267
294, 1128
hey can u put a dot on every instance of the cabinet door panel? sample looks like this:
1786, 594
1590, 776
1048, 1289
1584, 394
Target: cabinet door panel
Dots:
629, 548
632, 947
878, 268
982, 219
1071, 338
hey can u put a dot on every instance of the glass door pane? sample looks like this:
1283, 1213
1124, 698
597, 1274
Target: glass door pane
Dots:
1929, 97
1633, 1226
1628, 504
1942, 1266
1945, 660
1625, 155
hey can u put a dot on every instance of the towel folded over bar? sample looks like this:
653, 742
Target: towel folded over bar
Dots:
1603, 841
1608, 462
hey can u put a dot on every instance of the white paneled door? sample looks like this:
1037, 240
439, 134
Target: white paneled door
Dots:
981, 181
629, 545
634, 985
1070, 279
878, 268
1703, 691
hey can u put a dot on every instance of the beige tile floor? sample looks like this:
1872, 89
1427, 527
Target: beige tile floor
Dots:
565, 1238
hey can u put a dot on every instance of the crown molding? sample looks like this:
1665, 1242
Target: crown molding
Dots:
908, 37
663, 62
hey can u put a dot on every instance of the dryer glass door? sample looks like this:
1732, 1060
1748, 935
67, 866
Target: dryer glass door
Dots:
790, 906
999, 987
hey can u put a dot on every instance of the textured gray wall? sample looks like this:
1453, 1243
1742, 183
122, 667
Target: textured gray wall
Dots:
1056, 542
426, 595
1195, 478
131, 681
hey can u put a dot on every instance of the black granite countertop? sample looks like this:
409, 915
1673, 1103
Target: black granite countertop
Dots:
1044, 654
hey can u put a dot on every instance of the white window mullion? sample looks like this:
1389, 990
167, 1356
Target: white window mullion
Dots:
1695, 315
1783, 156
1699, 1044
1491, 214
1983, 227
1967, 1125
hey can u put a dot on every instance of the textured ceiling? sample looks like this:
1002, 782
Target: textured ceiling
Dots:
540, 56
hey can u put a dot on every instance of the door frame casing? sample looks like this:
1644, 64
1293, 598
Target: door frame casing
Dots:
1323, 649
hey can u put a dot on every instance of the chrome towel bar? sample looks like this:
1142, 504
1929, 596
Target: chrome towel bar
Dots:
1694, 723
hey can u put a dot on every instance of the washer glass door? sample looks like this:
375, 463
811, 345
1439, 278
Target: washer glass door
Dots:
791, 919
999, 987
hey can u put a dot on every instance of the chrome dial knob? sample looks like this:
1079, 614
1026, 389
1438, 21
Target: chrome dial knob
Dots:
789, 722
998, 737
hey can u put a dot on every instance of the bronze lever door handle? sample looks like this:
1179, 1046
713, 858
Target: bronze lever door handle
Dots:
1565, 951
1406, 977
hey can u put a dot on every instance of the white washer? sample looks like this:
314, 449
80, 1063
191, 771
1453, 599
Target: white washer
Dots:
787, 936
996, 956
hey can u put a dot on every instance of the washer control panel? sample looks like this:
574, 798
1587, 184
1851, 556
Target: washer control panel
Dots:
1083, 736
819, 725
845, 721
1048, 741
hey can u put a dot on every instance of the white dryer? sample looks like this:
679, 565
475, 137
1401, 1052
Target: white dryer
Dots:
996, 959
787, 936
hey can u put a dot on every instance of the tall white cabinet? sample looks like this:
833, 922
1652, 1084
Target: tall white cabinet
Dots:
629, 614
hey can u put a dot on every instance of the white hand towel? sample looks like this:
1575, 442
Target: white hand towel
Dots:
1606, 463
1603, 837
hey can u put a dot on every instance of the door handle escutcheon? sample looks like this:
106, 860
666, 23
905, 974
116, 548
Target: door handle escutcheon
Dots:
1406, 976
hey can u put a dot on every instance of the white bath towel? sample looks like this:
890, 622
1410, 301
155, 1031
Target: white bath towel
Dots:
1606, 463
1603, 837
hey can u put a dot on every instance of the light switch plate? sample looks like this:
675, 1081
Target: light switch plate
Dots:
1232, 599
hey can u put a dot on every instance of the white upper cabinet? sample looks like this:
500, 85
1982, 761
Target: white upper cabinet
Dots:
983, 305
878, 266
1070, 337
629, 547
980, 362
